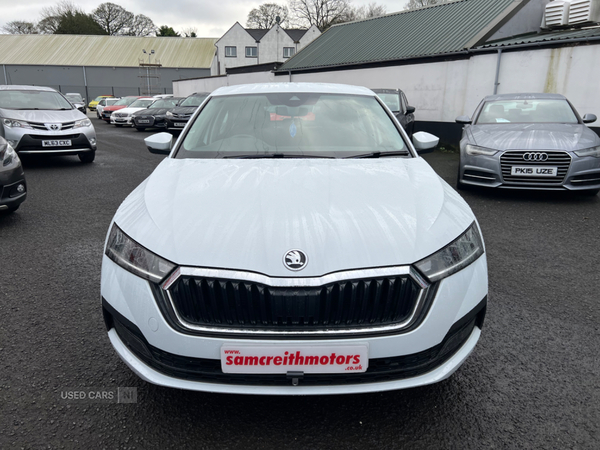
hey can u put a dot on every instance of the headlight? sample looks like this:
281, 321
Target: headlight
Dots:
83, 123
169, 114
594, 151
455, 256
136, 259
9, 156
11, 123
159, 116
475, 150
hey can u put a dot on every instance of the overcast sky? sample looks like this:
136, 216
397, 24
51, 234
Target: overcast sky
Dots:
212, 18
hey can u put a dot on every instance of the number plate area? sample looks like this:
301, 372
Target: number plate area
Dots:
180, 124
57, 143
534, 171
143, 121
274, 359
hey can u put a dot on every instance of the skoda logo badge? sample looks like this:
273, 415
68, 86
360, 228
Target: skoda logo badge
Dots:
295, 260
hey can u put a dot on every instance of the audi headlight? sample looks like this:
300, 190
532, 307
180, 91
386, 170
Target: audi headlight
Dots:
169, 114
136, 259
12, 123
83, 123
9, 157
594, 151
455, 256
476, 150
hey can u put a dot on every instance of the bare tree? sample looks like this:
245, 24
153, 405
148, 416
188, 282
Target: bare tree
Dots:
114, 19
322, 13
414, 4
142, 26
53, 15
189, 32
364, 12
265, 16
20, 27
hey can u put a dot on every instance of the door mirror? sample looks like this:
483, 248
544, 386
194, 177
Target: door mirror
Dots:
410, 109
464, 120
425, 142
159, 143
589, 118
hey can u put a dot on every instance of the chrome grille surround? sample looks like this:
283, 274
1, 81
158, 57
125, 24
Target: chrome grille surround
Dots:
556, 158
417, 305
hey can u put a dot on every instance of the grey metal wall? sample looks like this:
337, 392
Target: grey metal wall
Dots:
93, 81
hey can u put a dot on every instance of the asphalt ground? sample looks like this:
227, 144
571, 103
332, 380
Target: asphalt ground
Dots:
532, 381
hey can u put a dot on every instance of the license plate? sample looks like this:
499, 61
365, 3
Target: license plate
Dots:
534, 171
143, 121
63, 143
120, 120
294, 358
180, 124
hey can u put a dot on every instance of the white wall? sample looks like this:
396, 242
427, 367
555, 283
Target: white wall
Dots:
443, 90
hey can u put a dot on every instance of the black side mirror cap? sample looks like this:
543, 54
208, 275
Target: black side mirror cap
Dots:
410, 109
463, 120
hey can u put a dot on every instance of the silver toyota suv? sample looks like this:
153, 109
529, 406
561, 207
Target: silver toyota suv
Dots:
40, 120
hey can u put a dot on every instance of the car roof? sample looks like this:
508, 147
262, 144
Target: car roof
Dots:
265, 88
524, 96
18, 87
386, 90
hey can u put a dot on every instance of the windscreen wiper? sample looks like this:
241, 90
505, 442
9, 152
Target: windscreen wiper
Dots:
380, 154
274, 156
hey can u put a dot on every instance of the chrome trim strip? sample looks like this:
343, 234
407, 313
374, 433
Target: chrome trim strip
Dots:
299, 282
586, 181
30, 152
240, 331
479, 176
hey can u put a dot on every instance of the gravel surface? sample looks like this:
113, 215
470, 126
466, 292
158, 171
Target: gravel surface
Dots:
532, 381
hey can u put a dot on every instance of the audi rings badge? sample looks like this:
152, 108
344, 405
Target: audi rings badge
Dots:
530, 156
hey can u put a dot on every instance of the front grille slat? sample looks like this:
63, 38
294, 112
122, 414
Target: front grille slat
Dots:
250, 305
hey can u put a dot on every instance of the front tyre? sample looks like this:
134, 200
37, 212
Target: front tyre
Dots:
87, 157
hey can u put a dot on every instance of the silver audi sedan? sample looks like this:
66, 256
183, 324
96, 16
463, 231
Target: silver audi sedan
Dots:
529, 141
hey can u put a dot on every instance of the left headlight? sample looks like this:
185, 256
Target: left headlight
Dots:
455, 256
83, 123
136, 259
594, 151
476, 150
9, 157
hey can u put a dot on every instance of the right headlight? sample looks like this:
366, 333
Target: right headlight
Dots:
476, 150
12, 123
594, 151
136, 259
169, 114
8, 156
455, 256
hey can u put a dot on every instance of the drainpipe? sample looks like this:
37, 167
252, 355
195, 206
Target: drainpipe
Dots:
290, 75
496, 84
87, 95
5, 77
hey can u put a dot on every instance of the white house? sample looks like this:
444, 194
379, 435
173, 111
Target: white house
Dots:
240, 46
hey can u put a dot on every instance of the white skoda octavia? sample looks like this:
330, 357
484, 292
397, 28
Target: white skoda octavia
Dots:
293, 242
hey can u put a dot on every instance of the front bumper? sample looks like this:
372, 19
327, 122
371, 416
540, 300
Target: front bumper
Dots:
174, 123
583, 173
120, 120
31, 142
10, 180
159, 354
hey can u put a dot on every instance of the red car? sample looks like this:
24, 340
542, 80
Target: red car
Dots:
123, 103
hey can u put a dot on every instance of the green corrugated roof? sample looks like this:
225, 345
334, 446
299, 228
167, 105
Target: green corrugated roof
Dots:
533, 38
443, 28
112, 51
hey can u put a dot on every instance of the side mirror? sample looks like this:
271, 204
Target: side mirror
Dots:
589, 118
464, 120
159, 143
425, 141
410, 109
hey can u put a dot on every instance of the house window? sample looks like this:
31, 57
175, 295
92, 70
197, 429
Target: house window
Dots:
251, 52
288, 52
231, 52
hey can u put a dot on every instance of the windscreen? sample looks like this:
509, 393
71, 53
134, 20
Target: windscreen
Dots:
47, 100
527, 111
193, 100
392, 101
165, 103
74, 97
125, 101
142, 103
291, 124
